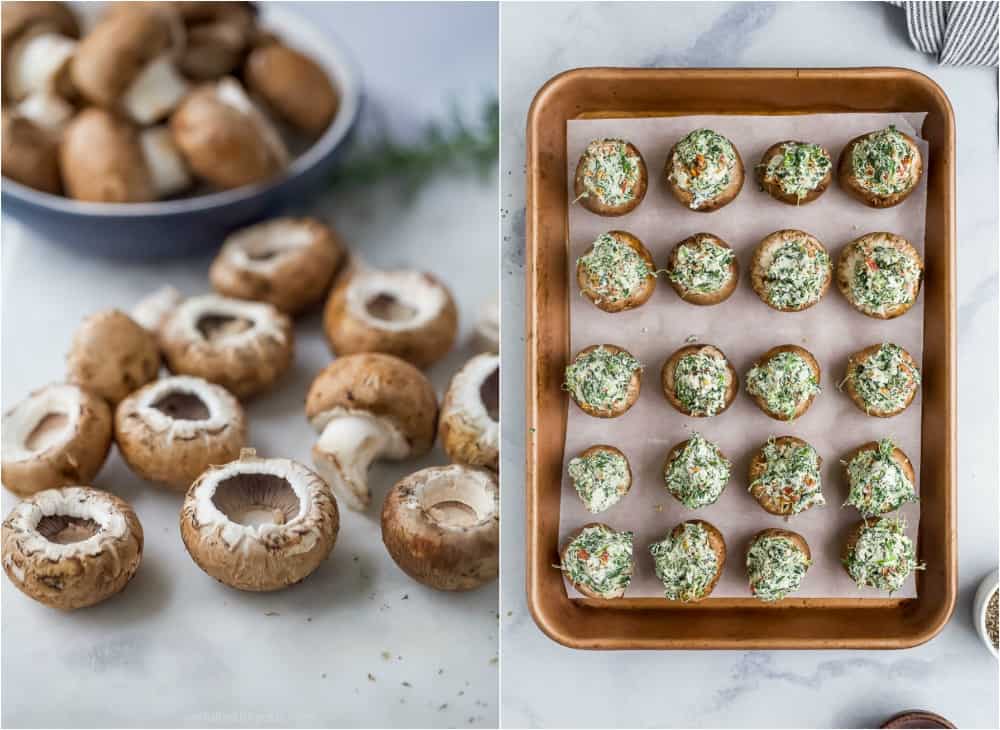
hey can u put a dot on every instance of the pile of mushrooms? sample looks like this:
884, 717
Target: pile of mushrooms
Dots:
155, 100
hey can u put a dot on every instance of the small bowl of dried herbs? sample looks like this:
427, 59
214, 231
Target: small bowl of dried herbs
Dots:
986, 611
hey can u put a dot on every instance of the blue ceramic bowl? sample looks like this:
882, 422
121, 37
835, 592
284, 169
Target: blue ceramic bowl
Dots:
188, 225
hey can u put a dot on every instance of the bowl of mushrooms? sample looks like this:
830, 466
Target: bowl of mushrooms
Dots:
154, 129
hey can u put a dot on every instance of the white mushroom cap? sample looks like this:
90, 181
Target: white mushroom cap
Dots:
173, 429
111, 355
168, 170
408, 314
442, 526
488, 326
243, 346
470, 423
72, 547
288, 262
259, 524
152, 310
56, 436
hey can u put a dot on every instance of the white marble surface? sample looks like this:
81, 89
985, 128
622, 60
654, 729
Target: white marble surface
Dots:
546, 685
177, 649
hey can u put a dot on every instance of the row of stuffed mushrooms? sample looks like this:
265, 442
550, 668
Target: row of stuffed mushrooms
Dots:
153, 101
258, 523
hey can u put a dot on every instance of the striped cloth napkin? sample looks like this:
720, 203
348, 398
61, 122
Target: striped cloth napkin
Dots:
959, 33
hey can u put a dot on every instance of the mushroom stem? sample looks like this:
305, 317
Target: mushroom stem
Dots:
38, 62
166, 166
47, 110
346, 448
155, 91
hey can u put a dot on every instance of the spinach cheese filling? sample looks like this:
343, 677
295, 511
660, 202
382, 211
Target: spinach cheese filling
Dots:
703, 165
685, 563
882, 162
796, 275
884, 277
785, 381
601, 478
798, 168
701, 382
600, 559
701, 266
613, 270
886, 381
791, 480
878, 482
883, 556
601, 378
611, 171
698, 474
776, 567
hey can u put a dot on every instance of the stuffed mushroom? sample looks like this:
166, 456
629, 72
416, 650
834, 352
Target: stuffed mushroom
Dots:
703, 269
611, 177
882, 380
112, 355
881, 168
598, 561
880, 478
704, 171
699, 381
790, 270
603, 380
616, 272
601, 476
785, 476
470, 414
880, 275
777, 561
878, 554
795, 172
696, 472
689, 561
784, 382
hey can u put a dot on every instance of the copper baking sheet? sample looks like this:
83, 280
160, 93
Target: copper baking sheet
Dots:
732, 622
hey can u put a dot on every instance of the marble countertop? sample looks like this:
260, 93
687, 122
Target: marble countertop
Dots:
358, 644
546, 685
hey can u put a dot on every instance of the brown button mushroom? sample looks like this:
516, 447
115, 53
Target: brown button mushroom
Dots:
72, 547
287, 262
101, 160
112, 356
442, 526
408, 314
259, 524
293, 86
243, 346
172, 430
366, 407
126, 62
218, 35
30, 154
225, 139
470, 414
39, 39
58, 435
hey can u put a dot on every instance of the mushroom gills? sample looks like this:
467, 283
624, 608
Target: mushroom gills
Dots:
66, 530
257, 499
155, 91
454, 503
346, 449
219, 326
164, 161
51, 429
389, 308
38, 61
182, 406
489, 393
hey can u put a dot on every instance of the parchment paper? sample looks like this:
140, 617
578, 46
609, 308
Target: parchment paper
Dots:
744, 328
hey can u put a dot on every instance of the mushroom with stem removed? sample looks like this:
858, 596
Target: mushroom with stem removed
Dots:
487, 336
172, 430
408, 314
259, 524
442, 526
243, 346
111, 355
57, 436
470, 414
365, 407
72, 547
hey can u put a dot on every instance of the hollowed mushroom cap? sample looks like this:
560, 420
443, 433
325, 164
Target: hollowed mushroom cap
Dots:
172, 430
111, 355
243, 346
30, 154
58, 435
366, 407
71, 547
293, 86
102, 160
38, 42
408, 314
488, 326
259, 524
225, 139
470, 415
288, 262
442, 526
